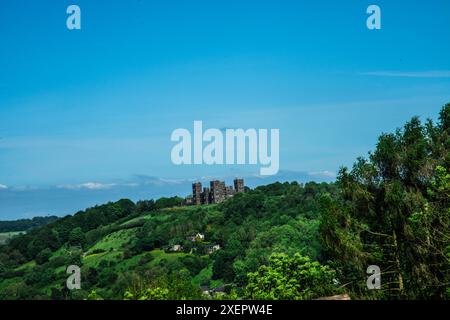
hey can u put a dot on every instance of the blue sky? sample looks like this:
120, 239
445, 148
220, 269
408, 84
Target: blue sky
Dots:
94, 109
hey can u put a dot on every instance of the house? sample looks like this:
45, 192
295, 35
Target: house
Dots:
176, 248
205, 290
197, 238
219, 291
212, 248
215, 292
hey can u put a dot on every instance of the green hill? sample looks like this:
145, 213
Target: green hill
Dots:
124, 246
280, 241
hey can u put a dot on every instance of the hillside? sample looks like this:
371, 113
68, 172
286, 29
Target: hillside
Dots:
287, 241
124, 246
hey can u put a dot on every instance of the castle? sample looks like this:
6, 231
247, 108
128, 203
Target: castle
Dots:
216, 193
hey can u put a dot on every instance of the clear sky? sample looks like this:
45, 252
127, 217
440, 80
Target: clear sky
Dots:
94, 108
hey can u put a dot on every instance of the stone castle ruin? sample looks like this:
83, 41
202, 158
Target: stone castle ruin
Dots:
216, 193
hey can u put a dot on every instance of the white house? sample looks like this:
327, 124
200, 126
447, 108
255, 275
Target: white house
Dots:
197, 238
176, 248
212, 248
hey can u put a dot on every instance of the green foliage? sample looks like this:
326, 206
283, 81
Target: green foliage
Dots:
290, 278
161, 286
149, 294
25, 224
76, 237
43, 256
393, 211
93, 295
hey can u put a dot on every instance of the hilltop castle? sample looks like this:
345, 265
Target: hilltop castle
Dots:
216, 193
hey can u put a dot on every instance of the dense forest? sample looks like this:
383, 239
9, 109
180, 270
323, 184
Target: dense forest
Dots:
280, 241
25, 224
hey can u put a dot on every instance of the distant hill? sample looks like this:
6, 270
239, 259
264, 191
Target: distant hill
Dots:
25, 224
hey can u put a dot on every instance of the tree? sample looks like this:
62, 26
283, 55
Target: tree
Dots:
149, 294
145, 206
77, 237
393, 211
290, 278
223, 266
43, 256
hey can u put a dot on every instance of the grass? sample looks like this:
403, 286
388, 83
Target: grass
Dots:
112, 249
114, 241
123, 265
128, 264
162, 215
60, 252
159, 255
29, 264
4, 284
158, 217
204, 276
112, 246
93, 260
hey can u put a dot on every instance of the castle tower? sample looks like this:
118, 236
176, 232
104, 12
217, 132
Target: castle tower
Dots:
239, 185
196, 193
206, 195
229, 191
218, 191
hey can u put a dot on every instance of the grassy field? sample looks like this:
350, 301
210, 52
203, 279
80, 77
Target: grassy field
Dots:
115, 240
160, 255
204, 277
5, 236
110, 247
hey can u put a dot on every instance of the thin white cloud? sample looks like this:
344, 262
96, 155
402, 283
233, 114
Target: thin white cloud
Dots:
131, 184
410, 74
3, 187
24, 188
150, 180
172, 181
88, 185
323, 174
96, 186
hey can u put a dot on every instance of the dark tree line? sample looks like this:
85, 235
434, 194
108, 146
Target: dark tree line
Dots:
25, 224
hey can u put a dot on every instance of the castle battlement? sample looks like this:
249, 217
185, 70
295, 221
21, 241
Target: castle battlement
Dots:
217, 192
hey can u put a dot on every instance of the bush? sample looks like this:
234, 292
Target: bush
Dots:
43, 256
148, 257
287, 278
